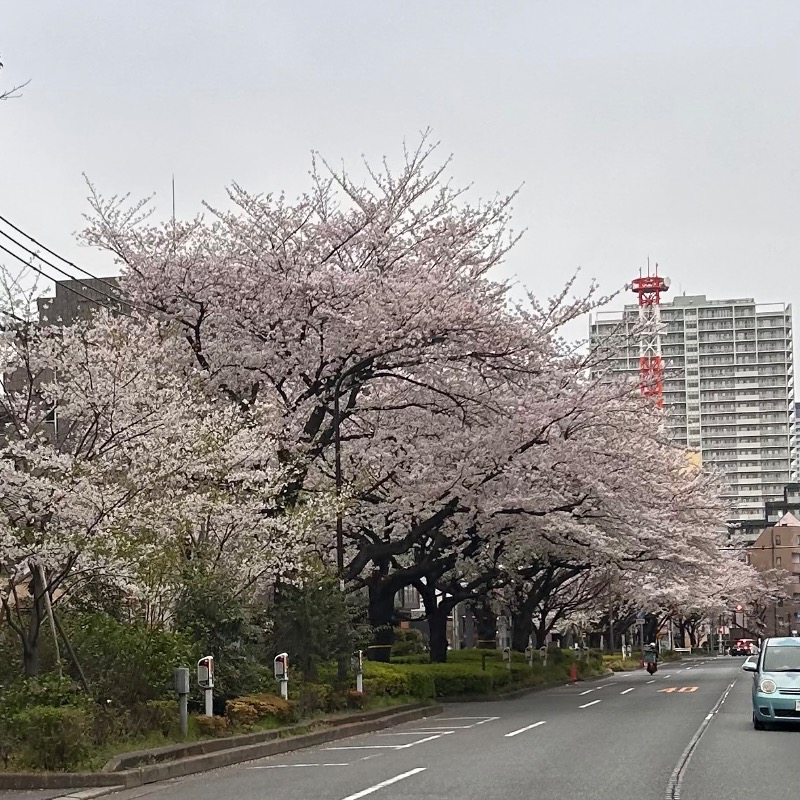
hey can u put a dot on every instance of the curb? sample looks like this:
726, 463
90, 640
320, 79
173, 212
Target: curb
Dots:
102, 783
513, 695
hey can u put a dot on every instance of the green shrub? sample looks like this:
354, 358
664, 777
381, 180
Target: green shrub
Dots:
210, 726
128, 663
162, 716
385, 679
420, 683
407, 641
54, 738
355, 699
112, 724
454, 680
45, 690
312, 698
244, 712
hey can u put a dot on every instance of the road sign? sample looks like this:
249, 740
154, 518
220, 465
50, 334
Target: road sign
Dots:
640, 622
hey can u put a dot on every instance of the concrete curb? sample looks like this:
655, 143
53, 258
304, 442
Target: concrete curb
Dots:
102, 783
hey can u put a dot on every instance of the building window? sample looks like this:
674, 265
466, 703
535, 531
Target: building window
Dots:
778, 561
777, 540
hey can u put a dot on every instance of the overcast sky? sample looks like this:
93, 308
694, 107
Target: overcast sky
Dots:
664, 129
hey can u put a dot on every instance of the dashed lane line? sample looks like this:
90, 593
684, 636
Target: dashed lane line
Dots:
628, 690
593, 703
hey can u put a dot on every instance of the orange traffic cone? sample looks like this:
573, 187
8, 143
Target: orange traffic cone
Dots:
573, 672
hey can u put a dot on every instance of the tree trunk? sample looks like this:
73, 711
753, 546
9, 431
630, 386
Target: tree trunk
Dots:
30, 638
30, 659
437, 626
381, 619
485, 626
682, 631
650, 628
521, 629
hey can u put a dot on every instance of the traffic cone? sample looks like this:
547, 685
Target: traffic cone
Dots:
573, 672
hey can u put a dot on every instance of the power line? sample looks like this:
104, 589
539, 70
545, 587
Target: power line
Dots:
13, 316
72, 264
56, 255
68, 288
58, 269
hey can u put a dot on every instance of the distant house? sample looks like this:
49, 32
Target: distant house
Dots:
778, 548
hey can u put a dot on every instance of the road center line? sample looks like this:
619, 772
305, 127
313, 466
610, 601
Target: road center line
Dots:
382, 784
628, 690
676, 779
526, 728
588, 691
652, 681
593, 703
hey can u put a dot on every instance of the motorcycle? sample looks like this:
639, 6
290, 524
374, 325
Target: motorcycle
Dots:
651, 667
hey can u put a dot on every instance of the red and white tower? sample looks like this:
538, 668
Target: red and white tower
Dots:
651, 368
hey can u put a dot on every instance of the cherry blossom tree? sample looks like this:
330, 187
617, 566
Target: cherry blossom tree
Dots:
462, 436
110, 455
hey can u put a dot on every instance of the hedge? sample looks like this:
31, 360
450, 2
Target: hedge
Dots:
470, 672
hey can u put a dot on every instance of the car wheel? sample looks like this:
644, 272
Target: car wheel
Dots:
758, 724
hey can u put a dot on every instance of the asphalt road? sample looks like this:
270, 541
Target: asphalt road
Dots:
626, 736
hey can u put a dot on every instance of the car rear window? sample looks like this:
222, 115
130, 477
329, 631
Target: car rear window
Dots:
781, 658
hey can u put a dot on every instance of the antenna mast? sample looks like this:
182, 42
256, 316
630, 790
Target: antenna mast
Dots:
651, 368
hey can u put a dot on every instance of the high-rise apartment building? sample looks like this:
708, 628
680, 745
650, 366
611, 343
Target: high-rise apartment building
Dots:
728, 387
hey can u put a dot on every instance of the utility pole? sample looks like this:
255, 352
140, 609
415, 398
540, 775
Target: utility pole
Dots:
610, 614
337, 449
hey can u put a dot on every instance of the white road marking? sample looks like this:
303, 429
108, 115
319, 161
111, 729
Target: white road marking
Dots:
652, 681
390, 746
526, 728
422, 741
593, 703
588, 691
367, 747
482, 721
382, 784
628, 690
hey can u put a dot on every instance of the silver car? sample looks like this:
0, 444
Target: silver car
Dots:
776, 682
